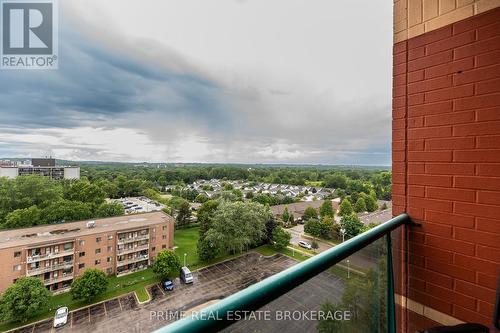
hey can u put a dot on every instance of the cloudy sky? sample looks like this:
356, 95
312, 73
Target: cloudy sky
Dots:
240, 81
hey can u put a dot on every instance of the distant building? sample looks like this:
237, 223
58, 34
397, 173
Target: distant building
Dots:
42, 167
57, 253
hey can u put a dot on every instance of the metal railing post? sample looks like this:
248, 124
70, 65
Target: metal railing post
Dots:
390, 304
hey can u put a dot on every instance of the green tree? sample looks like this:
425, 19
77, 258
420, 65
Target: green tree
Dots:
326, 209
84, 191
107, 209
184, 214
352, 225
313, 227
345, 208
67, 210
360, 205
166, 264
337, 180
286, 215
90, 284
24, 299
291, 219
309, 213
238, 225
21, 218
281, 238
314, 245
205, 215
371, 203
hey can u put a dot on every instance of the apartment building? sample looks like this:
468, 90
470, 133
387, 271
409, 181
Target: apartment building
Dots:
58, 253
39, 166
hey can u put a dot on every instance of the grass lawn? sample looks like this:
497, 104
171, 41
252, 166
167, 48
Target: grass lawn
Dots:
313, 183
268, 250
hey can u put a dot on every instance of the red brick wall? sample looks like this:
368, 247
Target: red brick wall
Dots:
446, 163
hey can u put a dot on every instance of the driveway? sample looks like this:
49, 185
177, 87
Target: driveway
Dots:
125, 314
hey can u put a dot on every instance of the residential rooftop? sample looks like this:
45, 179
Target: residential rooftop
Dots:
51, 233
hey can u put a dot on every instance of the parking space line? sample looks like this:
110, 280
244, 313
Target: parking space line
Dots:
105, 310
71, 321
33, 329
119, 302
89, 314
161, 289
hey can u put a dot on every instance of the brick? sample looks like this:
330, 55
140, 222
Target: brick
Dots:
449, 143
449, 168
398, 124
415, 213
399, 58
429, 156
470, 316
451, 194
429, 61
399, 80
450, 118
449, 93
488, 169
441, 256
399, 200
476, 75
429, 109
446, 6
489, 253
398, 156
489, 197
398, 189
431, 37
476, 48
416, 99
483, 128
425, 274
474, 290
445, 181
416, 191
399, 146
476, 22
451, 296
415, 122
426, 298
431, 229
451, 43
489, 225
439, 205
487, 87
449, 68
478, 183
485, 308
399, 47
398, 134
415, 145
451, 219
490, 155
486, 5
451, 244
416, 53
488, 141
477, 264
482, 101
399, 91
452, 16
488, 114
416, 76
415, 168
398, 102
431, 84
429, 132
451, 270
487, 59
487, 281
488, 31
478, 237
416, 284
398, 113
399, 69
398, 178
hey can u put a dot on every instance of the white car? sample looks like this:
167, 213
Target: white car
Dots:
61, 317
305, 245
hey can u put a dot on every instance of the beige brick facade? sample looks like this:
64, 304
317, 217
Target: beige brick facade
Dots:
59, 253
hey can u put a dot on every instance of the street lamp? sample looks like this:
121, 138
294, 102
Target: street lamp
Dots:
342, 231
185, 254
348, 272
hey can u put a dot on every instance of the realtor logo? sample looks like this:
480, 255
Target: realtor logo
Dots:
28, 34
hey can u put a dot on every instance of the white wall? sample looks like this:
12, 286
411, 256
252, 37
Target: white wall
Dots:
9, 172
72, 173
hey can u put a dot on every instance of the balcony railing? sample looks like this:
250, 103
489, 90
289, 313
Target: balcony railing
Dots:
45, 269
51, 255
133, 249
125, 240
132, 260
267, 292
60, 278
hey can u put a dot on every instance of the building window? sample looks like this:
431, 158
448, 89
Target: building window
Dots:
80, 266
164, 227
110, 248
81, 254
81, 243
17, 254
110, 237
109, 270
163, 246
97, 261
153, 248
109, 259
164, 237
98, 239
67, 246
97, 251
16, 268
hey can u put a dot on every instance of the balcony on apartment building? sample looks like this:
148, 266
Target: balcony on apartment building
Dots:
66, 264
133, 248
59, 278
129, 260
135, 236
35, 254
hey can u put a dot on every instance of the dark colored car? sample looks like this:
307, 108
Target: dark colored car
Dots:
167, 285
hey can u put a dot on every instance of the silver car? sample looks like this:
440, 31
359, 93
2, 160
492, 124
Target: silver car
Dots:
305, 245
61, 317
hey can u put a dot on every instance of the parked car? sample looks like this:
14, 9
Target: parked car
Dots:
61, 317
305, 245
167, 285
186, 275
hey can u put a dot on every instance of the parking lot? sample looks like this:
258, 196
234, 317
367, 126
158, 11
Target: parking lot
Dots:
139, 205
124, 314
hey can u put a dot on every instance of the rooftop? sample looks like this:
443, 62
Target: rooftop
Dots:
64, 231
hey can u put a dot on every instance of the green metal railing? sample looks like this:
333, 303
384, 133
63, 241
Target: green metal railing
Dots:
213, 318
